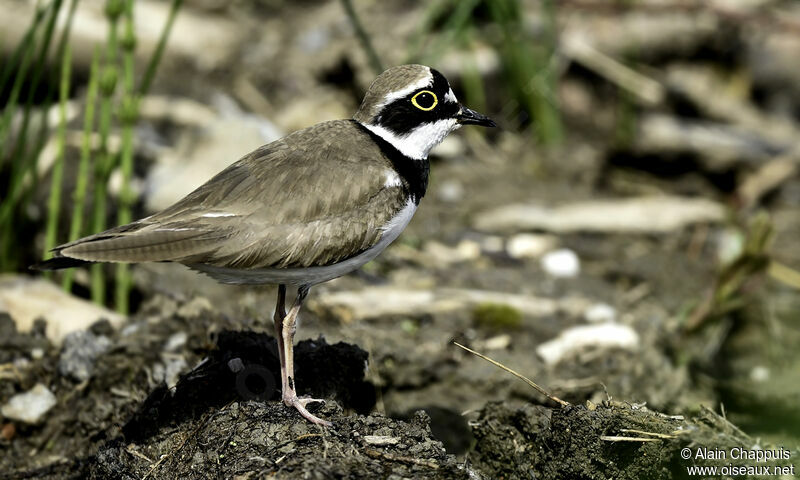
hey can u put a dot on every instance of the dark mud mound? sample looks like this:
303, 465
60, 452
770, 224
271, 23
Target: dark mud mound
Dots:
245, 367
258, 440
611, 440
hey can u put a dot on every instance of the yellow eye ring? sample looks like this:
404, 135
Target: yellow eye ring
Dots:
435, 100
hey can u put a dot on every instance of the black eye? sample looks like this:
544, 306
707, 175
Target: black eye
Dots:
425, 100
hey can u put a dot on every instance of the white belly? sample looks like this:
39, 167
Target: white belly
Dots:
311, 275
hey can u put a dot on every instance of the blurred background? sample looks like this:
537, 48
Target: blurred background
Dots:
630, 230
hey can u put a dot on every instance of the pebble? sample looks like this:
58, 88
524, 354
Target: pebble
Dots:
492, 244
381, 440
80, 350
529, 245
563, 263
759, 373
176, 341
451, 191
600, 313
29, 407
582, 337
195, 307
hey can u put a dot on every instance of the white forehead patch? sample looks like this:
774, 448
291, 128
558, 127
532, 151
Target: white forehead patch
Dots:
423, 82
450, 97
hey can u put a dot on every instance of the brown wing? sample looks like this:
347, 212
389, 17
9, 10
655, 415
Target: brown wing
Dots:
308, 199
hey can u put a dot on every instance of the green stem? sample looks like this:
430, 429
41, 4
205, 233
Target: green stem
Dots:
105, 162
82, 177
19, 63
19, 154
128, 116
366, 43
150, 73
54, 202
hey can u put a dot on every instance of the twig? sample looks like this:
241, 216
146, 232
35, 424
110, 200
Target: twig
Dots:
784, 274
647, 90
649, 434
401, 458
366, 43
518, 375
612, 438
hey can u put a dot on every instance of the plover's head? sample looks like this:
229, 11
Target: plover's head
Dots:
413, 108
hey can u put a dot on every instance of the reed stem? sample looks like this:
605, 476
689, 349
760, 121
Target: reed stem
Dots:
54, 203
82, 177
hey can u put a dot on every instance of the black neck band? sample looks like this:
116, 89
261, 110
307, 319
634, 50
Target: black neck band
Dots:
414, 173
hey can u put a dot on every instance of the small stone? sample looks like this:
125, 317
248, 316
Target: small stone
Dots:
195, 307
492, 244
759, 373
176, 341
563, 263
499, 342
583, 337
381, 440
8, 431
528, 245
37, 353
451, 191
29, 407
600, 313
79, 352
468, 249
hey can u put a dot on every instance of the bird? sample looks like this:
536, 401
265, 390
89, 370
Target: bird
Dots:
307, 208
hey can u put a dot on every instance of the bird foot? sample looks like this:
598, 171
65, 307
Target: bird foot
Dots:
300, 405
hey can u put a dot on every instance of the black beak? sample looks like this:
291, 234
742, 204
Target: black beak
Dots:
471, 117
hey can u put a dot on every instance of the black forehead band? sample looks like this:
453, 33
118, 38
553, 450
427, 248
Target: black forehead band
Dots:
440, 85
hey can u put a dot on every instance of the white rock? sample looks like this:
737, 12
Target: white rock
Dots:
29, 407
492, 244
499, 342
176, 341
759, 373
381, 440
561, 263
583, 337
659, 214
528, 245
445, 255
200, 156
375, 302
451, 191
600, 313
26, 299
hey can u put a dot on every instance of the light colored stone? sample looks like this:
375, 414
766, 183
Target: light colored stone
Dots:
600, 313
26, 299
529, 245
381, 440
29, 407
80, 350
562, 263
176, 341
759, 373
657, 214
201, 154
450, 191
584, 337
379, 301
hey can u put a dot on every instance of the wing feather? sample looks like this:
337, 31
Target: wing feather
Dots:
308, 199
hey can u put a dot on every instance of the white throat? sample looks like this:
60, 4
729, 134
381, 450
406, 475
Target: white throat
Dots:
418, 142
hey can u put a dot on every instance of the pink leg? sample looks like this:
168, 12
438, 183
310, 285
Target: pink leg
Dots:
277, 319
287, 363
